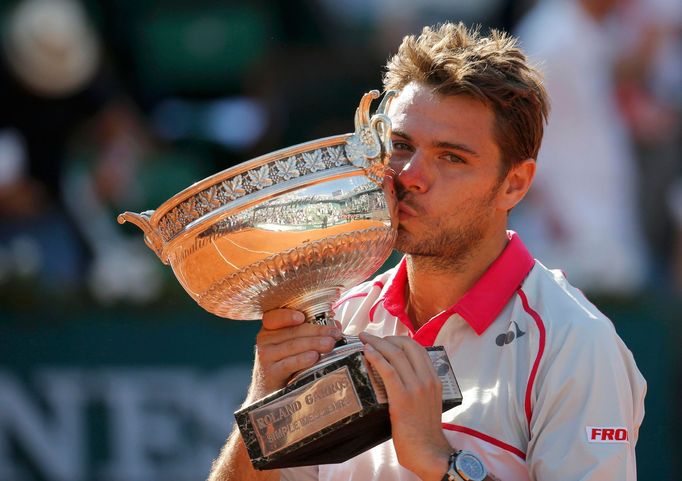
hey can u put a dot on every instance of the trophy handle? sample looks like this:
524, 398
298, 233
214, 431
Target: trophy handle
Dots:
370, 146
141, 220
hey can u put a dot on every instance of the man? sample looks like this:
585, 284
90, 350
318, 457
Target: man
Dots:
550, 391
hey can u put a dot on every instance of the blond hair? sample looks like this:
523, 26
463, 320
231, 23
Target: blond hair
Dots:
455, 60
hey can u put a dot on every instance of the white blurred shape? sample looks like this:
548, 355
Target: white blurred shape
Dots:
51, 47
122, 269
237, 122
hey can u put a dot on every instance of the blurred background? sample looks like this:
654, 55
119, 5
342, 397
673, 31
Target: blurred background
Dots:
109, 371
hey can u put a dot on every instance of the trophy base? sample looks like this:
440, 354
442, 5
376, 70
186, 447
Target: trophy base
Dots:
328, 415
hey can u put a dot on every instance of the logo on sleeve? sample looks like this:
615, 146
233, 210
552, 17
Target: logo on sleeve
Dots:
597, 434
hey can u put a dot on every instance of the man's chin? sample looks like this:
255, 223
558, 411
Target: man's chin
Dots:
412, 249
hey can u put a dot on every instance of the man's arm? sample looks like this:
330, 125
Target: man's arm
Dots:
234, 463
587, 406
284, 346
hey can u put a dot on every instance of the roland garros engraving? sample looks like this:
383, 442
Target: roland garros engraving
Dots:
305, 411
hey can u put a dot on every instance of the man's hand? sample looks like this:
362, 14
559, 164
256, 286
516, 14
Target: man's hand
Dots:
414, 401
285, 345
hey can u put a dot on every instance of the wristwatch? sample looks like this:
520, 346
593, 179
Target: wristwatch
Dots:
465, 466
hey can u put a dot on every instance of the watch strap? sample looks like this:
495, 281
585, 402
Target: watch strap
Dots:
451, 474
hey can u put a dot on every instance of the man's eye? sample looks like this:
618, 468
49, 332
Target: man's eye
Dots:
452, 158
401, 146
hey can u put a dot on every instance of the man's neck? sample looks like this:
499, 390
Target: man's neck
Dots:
433, 285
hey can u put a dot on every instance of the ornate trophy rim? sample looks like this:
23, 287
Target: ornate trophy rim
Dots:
246, 166
245, 200
224, 191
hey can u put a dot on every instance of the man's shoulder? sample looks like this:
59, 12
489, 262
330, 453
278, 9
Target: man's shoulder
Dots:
575, 335
561, 307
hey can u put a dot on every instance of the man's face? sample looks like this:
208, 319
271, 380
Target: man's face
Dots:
448, 174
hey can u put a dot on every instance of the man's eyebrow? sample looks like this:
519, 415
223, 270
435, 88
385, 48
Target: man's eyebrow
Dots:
441, 144
402, 134
451, 146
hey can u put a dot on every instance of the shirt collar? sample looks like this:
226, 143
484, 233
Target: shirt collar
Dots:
480, 306
393, 296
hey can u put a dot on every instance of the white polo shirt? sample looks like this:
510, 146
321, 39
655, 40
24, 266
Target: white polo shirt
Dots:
550, 390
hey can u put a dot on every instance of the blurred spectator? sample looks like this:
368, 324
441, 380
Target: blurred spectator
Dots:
651, 100
53, 82
582, 211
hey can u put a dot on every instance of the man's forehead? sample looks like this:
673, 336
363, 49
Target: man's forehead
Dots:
409, 95
418, 103
407, 104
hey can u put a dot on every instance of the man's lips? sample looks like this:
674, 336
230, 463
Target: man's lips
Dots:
405, 211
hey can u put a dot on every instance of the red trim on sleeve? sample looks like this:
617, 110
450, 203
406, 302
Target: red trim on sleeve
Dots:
541, 350
374, 308
348, 297
486, 438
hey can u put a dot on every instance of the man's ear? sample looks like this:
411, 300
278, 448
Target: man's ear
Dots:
516, 184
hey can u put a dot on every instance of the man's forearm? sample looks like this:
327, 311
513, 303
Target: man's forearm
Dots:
234, 464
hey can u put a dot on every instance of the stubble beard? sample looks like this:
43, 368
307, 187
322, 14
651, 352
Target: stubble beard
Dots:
441, 247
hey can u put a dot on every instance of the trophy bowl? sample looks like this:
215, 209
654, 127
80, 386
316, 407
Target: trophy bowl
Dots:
292, 228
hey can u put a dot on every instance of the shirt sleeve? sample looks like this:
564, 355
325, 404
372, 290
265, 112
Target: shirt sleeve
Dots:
306, 473
588, 404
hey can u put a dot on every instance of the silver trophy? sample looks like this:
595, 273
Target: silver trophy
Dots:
293, 229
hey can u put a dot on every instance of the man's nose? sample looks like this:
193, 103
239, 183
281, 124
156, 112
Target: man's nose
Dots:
413, 173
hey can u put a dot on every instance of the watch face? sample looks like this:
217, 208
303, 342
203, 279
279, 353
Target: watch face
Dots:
470, 467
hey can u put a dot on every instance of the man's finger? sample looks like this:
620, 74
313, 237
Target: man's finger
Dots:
279, 318
395, 356
276, 336
410, 359
389, 375
273, 353
418, 356
286, 367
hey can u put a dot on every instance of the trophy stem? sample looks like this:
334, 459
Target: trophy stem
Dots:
316, 305
324, 318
